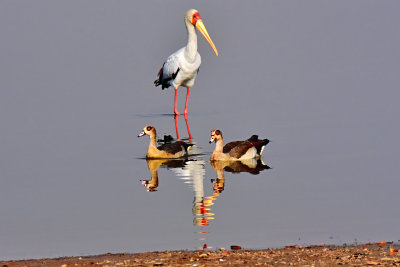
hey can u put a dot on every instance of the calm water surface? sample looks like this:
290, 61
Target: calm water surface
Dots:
319, 80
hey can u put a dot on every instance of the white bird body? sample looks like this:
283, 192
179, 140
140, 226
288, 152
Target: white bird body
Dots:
184, 65
181, 68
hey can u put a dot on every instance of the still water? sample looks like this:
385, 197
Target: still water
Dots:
76, 93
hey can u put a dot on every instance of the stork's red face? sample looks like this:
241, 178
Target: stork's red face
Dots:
195, 18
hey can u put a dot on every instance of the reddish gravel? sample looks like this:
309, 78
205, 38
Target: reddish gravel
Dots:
377, 254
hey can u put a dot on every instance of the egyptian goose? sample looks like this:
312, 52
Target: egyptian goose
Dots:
236, 150
176, 149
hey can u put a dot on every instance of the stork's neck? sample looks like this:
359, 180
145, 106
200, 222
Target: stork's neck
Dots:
191, 47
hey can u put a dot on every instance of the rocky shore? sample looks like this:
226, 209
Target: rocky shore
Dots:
376, 254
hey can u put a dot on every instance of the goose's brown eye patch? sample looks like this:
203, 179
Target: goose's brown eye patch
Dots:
218, 132
149, 128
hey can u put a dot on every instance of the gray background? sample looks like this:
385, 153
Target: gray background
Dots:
318, 78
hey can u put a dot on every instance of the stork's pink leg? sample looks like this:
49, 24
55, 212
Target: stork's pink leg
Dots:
175, 109
187, 100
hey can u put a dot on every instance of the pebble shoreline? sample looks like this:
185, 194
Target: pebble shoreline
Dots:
377, 254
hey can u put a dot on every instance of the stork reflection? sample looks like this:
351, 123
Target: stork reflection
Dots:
191, 171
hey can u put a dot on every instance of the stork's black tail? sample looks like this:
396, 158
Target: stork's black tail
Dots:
159, 79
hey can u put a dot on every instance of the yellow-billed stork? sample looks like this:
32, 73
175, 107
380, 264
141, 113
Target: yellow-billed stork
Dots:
180, 68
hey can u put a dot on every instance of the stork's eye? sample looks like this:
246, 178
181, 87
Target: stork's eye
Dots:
148, 128
195, 18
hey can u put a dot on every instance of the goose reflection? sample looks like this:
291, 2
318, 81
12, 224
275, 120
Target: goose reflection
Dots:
154, 164
252, 166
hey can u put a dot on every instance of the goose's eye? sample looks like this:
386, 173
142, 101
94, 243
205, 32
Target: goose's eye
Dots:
149, 128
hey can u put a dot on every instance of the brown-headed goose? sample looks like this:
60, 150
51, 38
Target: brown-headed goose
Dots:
173, 150
236, 150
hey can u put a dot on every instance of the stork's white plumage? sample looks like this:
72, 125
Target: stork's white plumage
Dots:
180, 68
